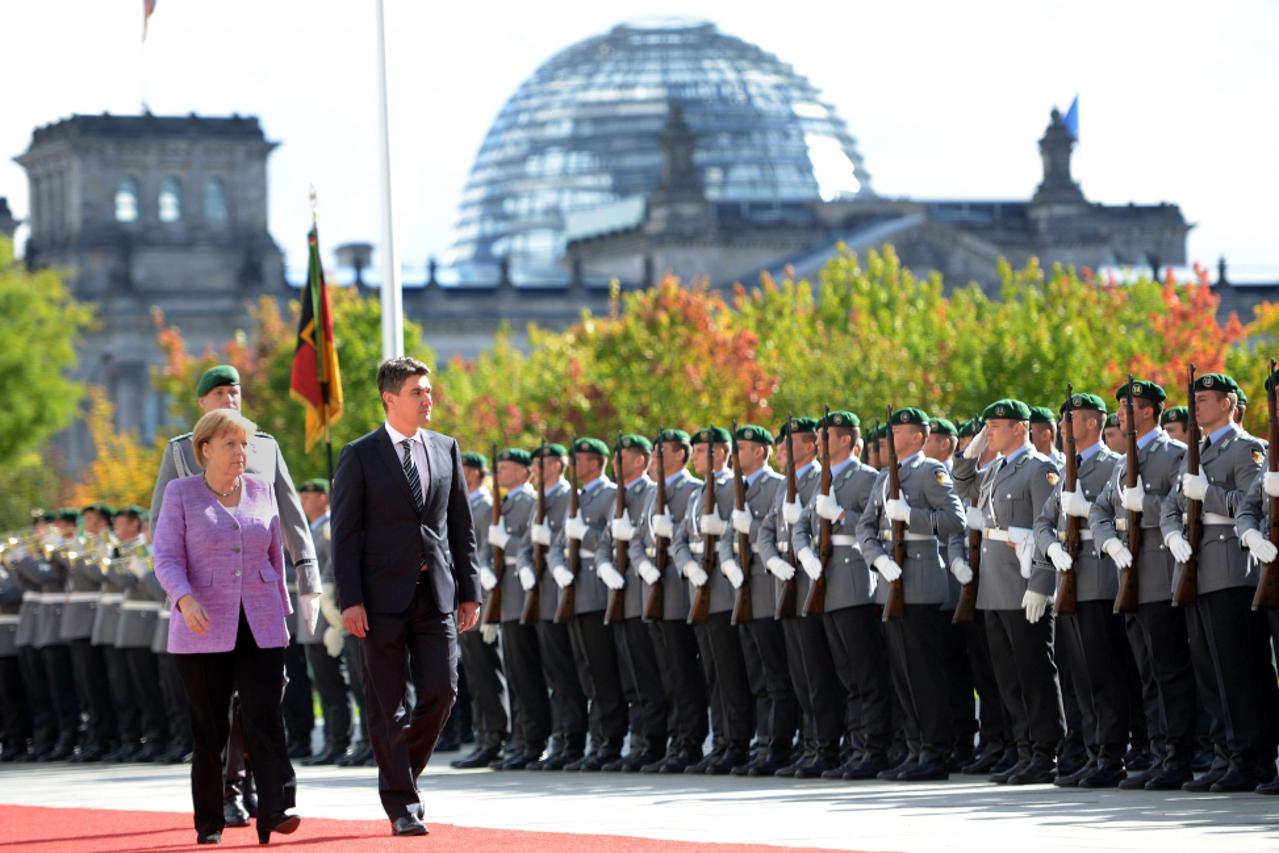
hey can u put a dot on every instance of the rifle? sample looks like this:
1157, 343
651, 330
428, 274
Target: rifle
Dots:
492, 614
661, 557
700, 610
742, 598
568, 595
532, 598
786, 596
614, 612
1067, 583
1126, 598
895, 607
1267, 594
815, 601
1187, 589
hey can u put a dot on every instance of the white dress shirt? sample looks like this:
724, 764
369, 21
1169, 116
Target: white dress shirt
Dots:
418, 452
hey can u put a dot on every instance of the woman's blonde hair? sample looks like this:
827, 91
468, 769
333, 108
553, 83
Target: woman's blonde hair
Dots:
216, 424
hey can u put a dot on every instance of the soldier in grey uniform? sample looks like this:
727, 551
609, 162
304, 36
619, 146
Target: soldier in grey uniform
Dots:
44, 722
1014, 594
15, 710
672, 637
821, 697
732, 706
851, 619
568, 701
1228, 642
1113, 435
1156, 632
1092, 636
931, 511
1043, 435
1174, 421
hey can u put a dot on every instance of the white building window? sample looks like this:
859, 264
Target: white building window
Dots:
170, 202
126, 200
215, 209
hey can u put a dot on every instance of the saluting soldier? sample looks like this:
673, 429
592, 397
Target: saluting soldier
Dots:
1175, 421
1014, 594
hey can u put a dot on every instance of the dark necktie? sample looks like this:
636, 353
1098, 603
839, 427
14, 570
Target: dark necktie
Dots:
410, 471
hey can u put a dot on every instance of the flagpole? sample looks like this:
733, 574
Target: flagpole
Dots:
324, 386
392, 297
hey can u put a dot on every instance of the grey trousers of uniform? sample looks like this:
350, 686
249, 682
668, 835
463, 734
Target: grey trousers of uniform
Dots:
1092, 636
1022, 655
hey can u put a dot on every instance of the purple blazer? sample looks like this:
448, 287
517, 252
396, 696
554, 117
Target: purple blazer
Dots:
225, 558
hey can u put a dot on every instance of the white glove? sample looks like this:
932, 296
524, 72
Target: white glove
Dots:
1036, 604
828, 508
662, 526
811, 564
649, 573
897, 510
563, 577
1074, 503
733, 572
977, 446
488, 580
1118, 552
136, 566
309, 610
1179, 547
1261, 547
742, 521
694, 573
780, 568
1060, 558
575, 527
888, 567
974, 518
528, 580
791, 511
334, 642
1025, 555
609, 574
489, 633
498, 537
1194, 486
540, 534
1270, 483
961, 570
713, 525
1132, 498
622, 528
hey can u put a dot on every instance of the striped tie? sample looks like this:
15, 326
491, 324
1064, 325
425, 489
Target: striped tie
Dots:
410, 471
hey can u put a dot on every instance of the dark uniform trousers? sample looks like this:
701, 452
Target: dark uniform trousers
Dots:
675, 645
642, 684
335, 698
992, 719
93, 690
524, 671
1022, 656
559, 669
175, 703
15, 710
35, 683
916, 649
857, 646
959, 685
124, 706
777, 716
55, 659
1073, 743
597, 671
144, 682
732, 704
298, 706
1092, 637
812, 670
354, 661
483, 669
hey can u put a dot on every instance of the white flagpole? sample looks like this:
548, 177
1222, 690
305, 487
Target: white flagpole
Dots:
392, 297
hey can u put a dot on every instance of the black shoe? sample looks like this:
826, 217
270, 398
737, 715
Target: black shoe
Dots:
1107, 774
234, 814
699, 767
13, 753
448, 742
892, 773
285, 824
1167, 779
1234, 780
1270, 788
356, 756
614, 765
299, 750
521, 761
150, 753
208, 838
481, 756
1071, 760
637, 761
763, 767
1140, 760
1072, 780
408, 825
815, 767
1205, 782
63, 750
1001, 777
925, 770
982, 765
1040, 771
329, 755
675, 762
557, 760
867, 768
1010, 759
730, 759
1203, 761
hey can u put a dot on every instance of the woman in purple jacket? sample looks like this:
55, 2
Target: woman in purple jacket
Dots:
218, 555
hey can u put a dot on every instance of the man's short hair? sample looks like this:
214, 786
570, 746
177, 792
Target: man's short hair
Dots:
392, 373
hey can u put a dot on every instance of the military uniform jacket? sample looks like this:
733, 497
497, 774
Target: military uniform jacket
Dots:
47, 578
10, 604
849, 580
1159, 464
955, 545
680, 490
548, 591
139, 611
107, 624
481, 517
84, 590
760, 497
775, 534
596, 507
639, 493
1096, 577
519, 507
1231, 464
689, 543
1012, 495
29, 609
1254, 512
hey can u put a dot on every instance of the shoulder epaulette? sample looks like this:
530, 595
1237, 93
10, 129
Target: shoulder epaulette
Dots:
184, 437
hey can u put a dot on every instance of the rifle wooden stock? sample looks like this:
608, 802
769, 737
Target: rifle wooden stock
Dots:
895, 606
1126, 598
1067, 599
567, 603
1186, 590
661, 556
700, 608
742, 596
815, 601
532, 598
787, 596
492, 614
613, 612
1267, 595
966, 607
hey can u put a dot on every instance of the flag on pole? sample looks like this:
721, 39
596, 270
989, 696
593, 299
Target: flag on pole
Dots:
1072, 119
316, 381
148, 9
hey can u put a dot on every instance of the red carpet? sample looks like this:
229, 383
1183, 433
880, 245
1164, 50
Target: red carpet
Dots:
100, 830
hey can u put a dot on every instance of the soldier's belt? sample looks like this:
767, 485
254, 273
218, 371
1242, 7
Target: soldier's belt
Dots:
697, 547
843, 540
48, 597
582, 552
1216, 518
83, 597
783, 547
165, 614
112, 597
887, 536
1015, 535
650, 552
1085, 535
510, 561
30, 595
6, 619
152, 606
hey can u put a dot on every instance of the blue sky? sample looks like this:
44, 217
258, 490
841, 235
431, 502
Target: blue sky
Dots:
946, 99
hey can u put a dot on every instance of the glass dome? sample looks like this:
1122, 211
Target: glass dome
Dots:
583, 131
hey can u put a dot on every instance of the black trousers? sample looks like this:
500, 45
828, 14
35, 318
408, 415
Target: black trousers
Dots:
128, 716
559, 669
992, 719
650, 709
298, 705
725, 672
353, 660
960, 688
423, 641
335, 695
257, 676
58, 675
524, 674
175, 701
1073, 742
781, 707
93, 691
753, 658
1093, 638
857, 645
148, 697
485, 681
1026, 670
597, 671
44, 722
916, 648
812, 670
15, 711
1210, 719
675, 645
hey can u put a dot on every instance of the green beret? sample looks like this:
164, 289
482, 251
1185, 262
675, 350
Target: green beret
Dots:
1042, 415
634, 441
1216, 382
712, 435
941, 426
1006, 409
68, 514
968, 428
1113, 420
216, 377
315, 484
105, 510
48, 516
1243, 398
1085, 403
475, 460
1175, 415
591, 445
798, 425
135, 511
918, 417
840, 419
515, 454
757, 434
1142, 389
550, 451
675, 436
